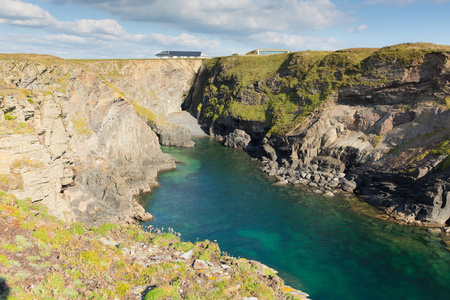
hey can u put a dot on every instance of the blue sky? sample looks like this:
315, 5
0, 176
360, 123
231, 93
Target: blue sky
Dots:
142, 28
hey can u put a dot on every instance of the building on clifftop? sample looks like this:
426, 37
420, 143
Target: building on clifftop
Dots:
268, 51
181, 54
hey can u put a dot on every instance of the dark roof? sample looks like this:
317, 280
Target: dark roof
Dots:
180, 53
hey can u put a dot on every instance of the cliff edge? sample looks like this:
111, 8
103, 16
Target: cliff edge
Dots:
83, 137
370, 121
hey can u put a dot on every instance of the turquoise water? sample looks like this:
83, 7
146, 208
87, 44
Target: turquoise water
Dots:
319, 245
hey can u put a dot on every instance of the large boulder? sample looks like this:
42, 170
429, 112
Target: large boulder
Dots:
237, 139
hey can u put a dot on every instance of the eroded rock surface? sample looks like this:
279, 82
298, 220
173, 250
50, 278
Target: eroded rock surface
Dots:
369, 121
77, 135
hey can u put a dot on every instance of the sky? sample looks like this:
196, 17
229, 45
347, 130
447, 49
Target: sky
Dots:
143, 28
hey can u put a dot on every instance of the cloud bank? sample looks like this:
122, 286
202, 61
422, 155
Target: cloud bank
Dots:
201, 24
224, 16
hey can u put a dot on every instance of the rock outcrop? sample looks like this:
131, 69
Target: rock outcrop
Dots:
237, 139
81, 136
370, 121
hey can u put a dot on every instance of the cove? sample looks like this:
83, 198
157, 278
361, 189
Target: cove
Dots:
319, 245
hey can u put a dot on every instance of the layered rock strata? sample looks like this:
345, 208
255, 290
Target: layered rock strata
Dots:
81, 136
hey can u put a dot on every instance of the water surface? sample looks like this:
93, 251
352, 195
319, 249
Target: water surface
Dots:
319, 245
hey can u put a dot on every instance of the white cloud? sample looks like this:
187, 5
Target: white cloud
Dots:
255, 23
106, 28
404, 2
294, 42
16, 12
183, 40
225, 16
26, 14
64, 39
101, 37
361, 27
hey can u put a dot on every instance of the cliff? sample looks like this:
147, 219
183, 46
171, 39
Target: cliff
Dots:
370, 121
84, 137
78, 140
44, 258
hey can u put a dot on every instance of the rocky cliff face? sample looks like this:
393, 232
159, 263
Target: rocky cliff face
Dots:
77, 135
372, 121
83, 136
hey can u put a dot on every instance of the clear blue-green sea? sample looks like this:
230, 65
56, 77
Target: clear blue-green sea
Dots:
322, 246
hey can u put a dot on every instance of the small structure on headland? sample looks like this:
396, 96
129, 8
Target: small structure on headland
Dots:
181, 54
268, 51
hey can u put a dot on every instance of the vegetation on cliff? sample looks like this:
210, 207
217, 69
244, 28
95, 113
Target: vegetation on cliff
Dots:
282, 90
44, 258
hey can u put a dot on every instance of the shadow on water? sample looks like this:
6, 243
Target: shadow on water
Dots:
319, 245
4, 289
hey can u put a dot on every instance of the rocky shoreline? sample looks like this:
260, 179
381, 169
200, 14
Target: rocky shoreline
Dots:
83, 137
320, 178
373, 122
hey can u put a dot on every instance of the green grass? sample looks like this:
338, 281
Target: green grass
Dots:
11, 181
26, 162
77, 228
11, 126
440, 149
183, 246
148, 115
248, 112
165, 239
447, 102
39, 58
284, 90
80, 124
161, 292
206, 250
104, 228
405, 54
376, 140
22, 241
248, 69
42, 234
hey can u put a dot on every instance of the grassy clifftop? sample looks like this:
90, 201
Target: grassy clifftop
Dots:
282, 90
43, 258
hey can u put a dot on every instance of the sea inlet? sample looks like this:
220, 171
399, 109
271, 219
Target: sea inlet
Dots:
325, 247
